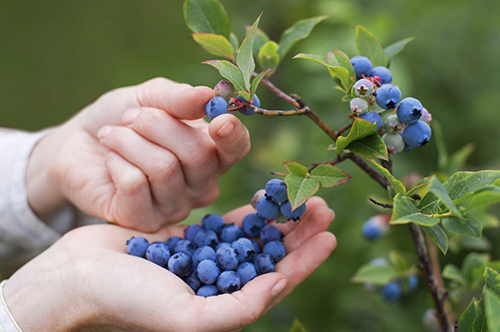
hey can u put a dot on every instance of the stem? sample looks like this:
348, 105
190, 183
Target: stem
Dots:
368, 170
342, 129
289, 99
265, 112
436, 267
440, 215
387, 206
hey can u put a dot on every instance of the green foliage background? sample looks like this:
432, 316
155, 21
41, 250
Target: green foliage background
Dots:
58, 56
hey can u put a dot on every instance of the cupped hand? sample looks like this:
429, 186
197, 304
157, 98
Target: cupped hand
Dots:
140, 156
87, 282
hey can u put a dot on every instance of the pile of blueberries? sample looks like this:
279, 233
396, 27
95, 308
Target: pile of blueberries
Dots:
214, 257
407, 126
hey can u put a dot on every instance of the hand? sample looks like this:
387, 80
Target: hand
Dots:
140, 156
88, 277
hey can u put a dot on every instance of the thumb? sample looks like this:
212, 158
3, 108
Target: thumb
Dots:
234, 311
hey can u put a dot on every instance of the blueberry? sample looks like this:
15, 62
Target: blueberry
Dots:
371, 231
186, 247
180, 264
207, 290
275, 249
213, 222
247, 272
215, 107
412, 282
410, 110
264, 264
276, 190
192, 280
270, 233
373, 117
137, 246
231, 233
417, 135
388, 96
260, 193
394, 142
359, 106
206, 238
426, 116
393, 124
171, 242
363, 88
158, 253
224, 89
286, 210
244, 249
228, 282
256, 247
249, 110
383, 73
227, 258
203, 253
223, 245
392, 291
362, 66
253, 224
208, 271
191, 231
268, 209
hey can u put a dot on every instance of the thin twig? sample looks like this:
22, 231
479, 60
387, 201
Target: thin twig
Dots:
265, 112
339, 159
342, 129
387, 206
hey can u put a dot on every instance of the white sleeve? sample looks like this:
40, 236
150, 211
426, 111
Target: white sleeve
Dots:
7, 322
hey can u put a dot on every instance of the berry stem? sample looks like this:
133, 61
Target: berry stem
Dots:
265, 112
342, 129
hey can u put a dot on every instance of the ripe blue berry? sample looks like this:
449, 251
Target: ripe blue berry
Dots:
203, 253
206, 238
410, 110
388, 96
253, 224
247, 272
180, 264
362, 66
227, 258
264, 264
191, 231
417, 135
192, 280
392, 291
270, 233
371, 231
383, 73
207, 290
213, 222
363, 88
359, 106
158, 253
223, 245
394, 142
228, 282
171, 242
372, 117
256, 247
276, 190
260, 193
267, 209
275, 249
215, 107
244, 249
392, 124
224, 89
137, 246
185, 246
412, 282
231, 233
208, 271
249, 110
286, 210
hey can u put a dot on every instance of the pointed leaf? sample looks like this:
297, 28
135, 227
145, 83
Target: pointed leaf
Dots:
300, 189
228, 71
473, 262
295, 168
492, 306
457, 161
339, 58
438, 236
398, 261
405, 212
452, 272
296, 33
329, 176
260, 39
245, 95
256, 82
395, 183
479, 324
369, 46
370, 147
467, 318
268, 56
335, 71
215, 44
206, 16
359, 130
297, 326
483, 197
394, 49
464, 227
437, 188
244, 55
375, 274
234, 41
492, 280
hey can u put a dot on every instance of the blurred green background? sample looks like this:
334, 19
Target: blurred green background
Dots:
58, 56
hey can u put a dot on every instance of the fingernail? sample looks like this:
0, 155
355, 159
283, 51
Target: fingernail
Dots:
130, 116
104, 131
226, 129
279, 287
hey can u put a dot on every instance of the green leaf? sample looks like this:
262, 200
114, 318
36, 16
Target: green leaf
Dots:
464, 227
360, 129
437, 188
295, 168
339, 58
206, 16
244, 55
296, 33
438, 236
375, 274
394, 49
370, 147
467, 318
492, 280
297, 326
405, 212
457, 161
452, 272
234, 41
245, 95
472, 262
479, 324
419, 188
256, 82
260, 39
268, 56
229, 71
395, 183
369, 46
398, 261
335, 71
483, 197
329, 176
300, 185
215, 44
492, 306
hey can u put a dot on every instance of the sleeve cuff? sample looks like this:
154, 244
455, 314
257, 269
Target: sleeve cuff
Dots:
7, 322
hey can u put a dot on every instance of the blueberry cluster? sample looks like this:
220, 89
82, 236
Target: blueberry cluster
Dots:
375, 227
215, 257
219, 104
407, 126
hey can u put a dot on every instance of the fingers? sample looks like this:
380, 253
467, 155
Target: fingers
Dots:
231, 138
239, 309
179, 100
236, 216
